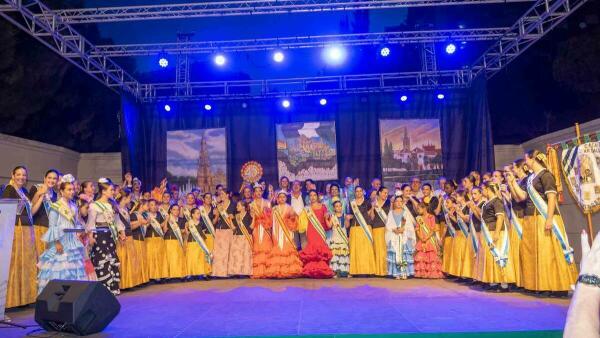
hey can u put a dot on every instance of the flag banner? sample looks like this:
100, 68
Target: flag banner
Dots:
581, 168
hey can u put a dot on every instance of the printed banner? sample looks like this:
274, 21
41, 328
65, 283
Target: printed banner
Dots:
581, 167
197, 158
307, 150
409, 148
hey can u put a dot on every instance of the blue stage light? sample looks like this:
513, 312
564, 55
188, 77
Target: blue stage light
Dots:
403, 98
167, 107
385, 51
334, 55
278, 56
163, 62
285, 103
220, 60
323, 101
450, 48
207, 107
440, 96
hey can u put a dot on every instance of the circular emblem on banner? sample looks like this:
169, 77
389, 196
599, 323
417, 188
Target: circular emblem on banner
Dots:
252, 171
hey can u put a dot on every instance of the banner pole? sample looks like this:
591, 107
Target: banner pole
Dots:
587, 213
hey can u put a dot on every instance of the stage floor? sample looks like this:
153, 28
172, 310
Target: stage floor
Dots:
310, 307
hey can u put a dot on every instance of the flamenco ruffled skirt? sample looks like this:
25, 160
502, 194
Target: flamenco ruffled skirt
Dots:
316, 259
340, 261
427, 261
70, 265
105, 260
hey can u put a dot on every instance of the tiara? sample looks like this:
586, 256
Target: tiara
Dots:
68, 178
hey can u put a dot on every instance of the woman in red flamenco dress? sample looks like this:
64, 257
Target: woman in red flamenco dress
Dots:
316, 255
284, 261
427, 259
262, 221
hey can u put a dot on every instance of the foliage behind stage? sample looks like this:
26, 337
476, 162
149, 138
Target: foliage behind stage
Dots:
250, 132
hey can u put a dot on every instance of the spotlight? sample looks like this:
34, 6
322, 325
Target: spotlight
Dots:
163, 62
167, 107
278, 56
385, 51
323, 101
450, 48
334, 55
285, 103
440, 96
220, 60
207, 107
403, 98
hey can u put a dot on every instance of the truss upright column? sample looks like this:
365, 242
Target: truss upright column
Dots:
429, 63
182, 69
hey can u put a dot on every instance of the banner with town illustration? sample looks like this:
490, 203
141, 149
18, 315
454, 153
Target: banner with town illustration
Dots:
409, 148
581, 167
307, 150
197, 158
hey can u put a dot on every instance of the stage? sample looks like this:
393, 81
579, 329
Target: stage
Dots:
303, 307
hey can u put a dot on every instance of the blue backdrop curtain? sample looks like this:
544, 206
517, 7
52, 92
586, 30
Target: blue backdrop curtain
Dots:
250, 129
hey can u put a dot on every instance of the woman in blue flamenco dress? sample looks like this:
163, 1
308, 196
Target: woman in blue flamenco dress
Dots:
64, 257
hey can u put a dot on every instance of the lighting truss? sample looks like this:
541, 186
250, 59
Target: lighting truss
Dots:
532, 26
48, 28
307, 86
249, 7
247, 45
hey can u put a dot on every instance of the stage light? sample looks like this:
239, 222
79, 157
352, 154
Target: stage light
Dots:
334, 55
450, 48
278, 56
167, 107
207, 107
285, 103
440, 96
403, 98
323, 101
220, 60
163, 62
385, 51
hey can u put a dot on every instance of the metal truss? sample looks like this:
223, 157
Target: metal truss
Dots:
247, 45
249, 7
532, 26
363, 83
429, 61
44, 25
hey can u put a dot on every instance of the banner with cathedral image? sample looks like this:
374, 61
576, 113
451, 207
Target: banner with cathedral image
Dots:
197, 158
409, 148
307, 150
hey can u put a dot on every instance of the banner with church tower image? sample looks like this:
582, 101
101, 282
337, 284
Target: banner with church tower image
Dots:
410, 147
197, 158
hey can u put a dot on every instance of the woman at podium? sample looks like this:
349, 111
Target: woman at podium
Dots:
22, 281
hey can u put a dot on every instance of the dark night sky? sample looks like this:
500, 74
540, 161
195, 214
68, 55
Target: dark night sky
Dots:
552, 85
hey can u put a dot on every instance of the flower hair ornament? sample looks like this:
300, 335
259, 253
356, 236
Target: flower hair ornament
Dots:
104, 180
398, 193
68, 178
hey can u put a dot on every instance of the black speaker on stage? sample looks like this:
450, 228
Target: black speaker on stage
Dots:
75, 306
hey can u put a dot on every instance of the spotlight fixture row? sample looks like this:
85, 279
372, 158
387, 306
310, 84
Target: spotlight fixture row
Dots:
332, 55
287, 103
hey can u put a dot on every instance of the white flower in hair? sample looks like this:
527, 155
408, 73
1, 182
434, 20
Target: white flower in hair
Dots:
68, 178
398, 193
103, 180
257, 185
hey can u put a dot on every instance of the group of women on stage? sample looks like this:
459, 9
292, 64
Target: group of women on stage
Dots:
499, 230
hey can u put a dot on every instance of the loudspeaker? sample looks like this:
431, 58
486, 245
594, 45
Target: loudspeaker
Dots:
75, 306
